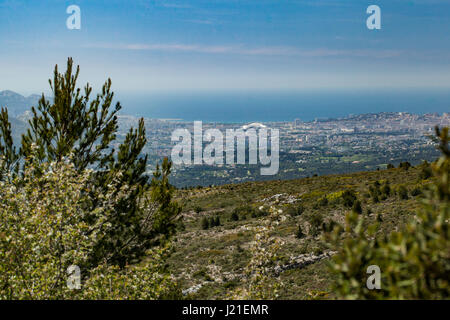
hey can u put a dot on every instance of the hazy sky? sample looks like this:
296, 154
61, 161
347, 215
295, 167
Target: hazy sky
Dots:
179, 45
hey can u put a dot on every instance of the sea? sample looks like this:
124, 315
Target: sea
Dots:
266, 106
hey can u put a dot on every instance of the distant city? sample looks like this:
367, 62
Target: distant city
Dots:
355, 143
307, 148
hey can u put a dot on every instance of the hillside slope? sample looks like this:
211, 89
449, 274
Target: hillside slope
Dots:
209, 261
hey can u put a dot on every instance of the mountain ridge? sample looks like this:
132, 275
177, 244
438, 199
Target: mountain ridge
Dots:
17, 103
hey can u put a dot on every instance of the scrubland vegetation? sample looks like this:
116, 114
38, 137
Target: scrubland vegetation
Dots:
67, 198
321, 216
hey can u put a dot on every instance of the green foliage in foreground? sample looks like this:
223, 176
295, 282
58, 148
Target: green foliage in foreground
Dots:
414, 262
67, 197
75, 122
44, 230
259, 283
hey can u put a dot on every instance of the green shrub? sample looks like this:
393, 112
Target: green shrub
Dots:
404, 165
357, 207
322, 202
198, 209
299, 234
43, 231
244, 210
204, 223
234, 216
386, 189
294, 210
262, 212
258, 282
329, 225
348, 198
315, 223
379, 192
213, 222
425, 171
375, 199
180, 226
416, 192
402, 193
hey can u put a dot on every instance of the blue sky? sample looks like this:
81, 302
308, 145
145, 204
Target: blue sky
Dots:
207, 45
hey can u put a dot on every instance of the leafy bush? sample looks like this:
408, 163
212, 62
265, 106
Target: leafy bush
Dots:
335, 196
258, 282
386, 189
299, 234
245, 210
375, 199
323, 202
204, 223
348, 198
294, 210
328, 225
405, 165
357, 207
315, 221
213, 222
234, 216
402, 193
425, 171
416, 192
375, 192
198, 209
44, 230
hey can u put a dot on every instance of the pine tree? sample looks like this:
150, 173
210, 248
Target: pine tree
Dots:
83, 128
9, 157
74, 123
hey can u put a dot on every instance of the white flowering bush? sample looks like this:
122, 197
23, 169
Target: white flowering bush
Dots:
47, 224
259, 282
147, 281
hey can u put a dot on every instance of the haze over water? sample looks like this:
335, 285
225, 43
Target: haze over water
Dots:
282, 105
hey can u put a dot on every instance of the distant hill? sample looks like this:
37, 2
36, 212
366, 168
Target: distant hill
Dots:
16, 103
